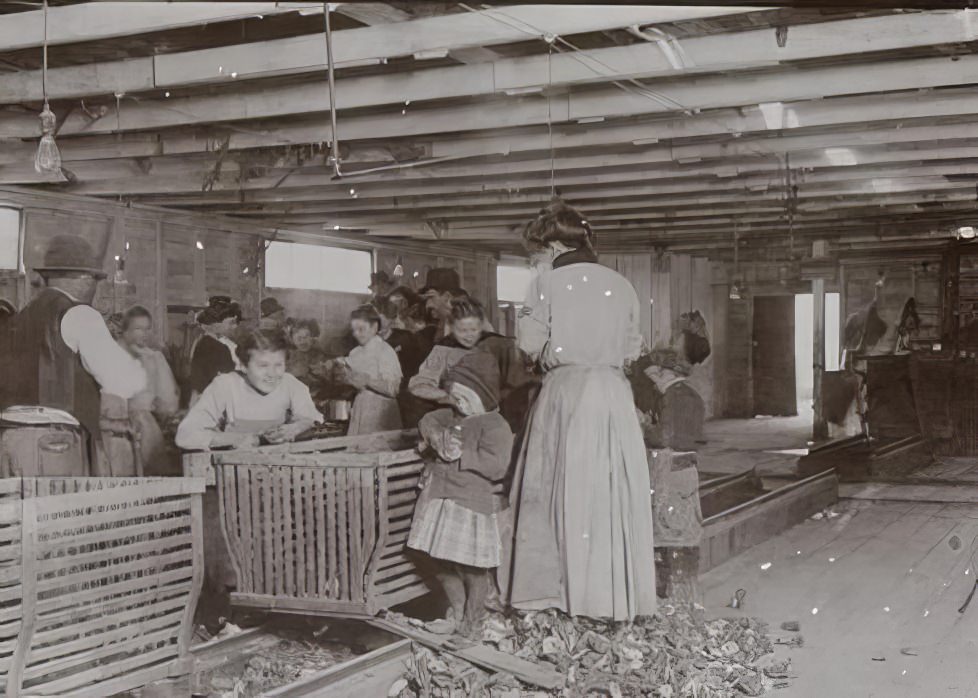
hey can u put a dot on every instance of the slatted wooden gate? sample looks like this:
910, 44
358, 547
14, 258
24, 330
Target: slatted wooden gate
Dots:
320, 531
99, 580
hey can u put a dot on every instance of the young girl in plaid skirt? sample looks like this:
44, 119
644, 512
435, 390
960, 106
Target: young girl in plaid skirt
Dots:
468, 449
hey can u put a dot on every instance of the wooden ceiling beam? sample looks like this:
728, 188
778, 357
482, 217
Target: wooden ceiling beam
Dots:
584, 186
649, 162
703, 208
666, 195
682, 95
817, 113
296, 55
92, 21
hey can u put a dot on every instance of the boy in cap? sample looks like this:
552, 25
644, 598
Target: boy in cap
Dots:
468, 449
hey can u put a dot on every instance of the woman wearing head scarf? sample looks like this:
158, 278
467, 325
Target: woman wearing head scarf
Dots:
582, 511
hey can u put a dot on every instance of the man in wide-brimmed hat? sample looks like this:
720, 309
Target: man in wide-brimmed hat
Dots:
442, 286
59, 351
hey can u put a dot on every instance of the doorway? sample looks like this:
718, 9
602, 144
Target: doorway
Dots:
773, 357
804, 350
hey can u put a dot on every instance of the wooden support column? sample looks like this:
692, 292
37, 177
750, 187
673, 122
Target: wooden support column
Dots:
820, 429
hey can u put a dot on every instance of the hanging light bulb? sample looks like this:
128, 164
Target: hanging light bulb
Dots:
47, 160
398, 269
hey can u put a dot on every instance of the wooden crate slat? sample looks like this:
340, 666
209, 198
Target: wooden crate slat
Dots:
11, 628
228, 508
355, 533
324, 539
268, 555
130, 639
256, 548
329, 584
82, 620
398, 471
153, 546
343, 563
46, 606
108, 606
309, 526
288, 541
397, 583
156, 562
411, 591
408, 497
275, 489
393, 567
9, 534
118, 495
149, 511
119, 616
299, 528
241, 521
108, 638
83, 679
128, 531
131, 680
368, 508
401, 511
9, 512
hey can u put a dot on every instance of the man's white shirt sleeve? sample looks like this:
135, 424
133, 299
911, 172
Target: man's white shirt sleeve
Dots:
116, 371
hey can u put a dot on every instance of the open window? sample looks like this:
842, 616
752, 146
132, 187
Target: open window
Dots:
317, 268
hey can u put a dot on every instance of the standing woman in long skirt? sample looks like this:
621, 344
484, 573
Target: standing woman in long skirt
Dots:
580, 498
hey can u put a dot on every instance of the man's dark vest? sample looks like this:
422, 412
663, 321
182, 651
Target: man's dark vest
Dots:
38, 368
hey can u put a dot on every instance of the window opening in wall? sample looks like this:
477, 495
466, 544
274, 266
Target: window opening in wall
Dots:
317, 268
10, 240
512, 282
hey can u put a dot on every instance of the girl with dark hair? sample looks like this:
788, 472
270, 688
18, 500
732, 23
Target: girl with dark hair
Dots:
375, 371
580, 504
214, 352
306, 359
259, 402
159, 401
467, 334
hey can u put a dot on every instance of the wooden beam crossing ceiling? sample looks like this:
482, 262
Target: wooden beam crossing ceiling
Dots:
856, 125
740, 51
106, 20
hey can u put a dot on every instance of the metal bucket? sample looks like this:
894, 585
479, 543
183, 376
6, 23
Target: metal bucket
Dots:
337, 410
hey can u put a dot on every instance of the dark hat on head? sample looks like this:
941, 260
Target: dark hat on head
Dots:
442, 280
218, 309
270, 306
71, 253
380, 278
479, 371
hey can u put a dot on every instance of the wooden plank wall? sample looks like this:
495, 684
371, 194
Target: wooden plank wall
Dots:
164, 266
668, 285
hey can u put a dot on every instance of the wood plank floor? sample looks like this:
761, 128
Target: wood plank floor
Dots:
884, 577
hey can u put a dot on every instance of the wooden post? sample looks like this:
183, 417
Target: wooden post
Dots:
820, 429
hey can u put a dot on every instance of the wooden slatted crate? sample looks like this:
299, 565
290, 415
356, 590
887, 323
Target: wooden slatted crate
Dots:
321, 526
99, 580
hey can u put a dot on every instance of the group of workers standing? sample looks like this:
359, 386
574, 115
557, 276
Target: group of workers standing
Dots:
536, 463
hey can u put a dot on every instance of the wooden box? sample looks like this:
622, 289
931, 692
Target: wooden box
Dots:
321, 526
99, 580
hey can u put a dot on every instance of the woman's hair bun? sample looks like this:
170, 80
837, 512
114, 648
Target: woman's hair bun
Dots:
559, 222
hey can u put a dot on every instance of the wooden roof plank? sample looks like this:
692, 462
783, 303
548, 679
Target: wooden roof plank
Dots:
726, 52
460, 30
691, 94
92, 21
